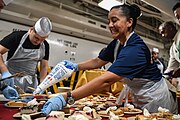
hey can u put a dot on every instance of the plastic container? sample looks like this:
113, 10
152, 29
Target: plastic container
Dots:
58, 73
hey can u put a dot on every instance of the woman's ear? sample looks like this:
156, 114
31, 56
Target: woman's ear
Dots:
129, 22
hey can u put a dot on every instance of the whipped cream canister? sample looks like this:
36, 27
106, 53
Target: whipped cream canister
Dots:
58, 73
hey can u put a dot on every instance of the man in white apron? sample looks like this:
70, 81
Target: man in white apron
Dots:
168, 30
132, 66
25, 50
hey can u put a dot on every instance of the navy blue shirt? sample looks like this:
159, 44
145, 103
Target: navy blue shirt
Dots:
133, 60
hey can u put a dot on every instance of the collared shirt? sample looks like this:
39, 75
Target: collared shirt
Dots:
174, 59
133, 59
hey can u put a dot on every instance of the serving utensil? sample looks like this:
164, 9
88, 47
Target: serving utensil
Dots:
19, 74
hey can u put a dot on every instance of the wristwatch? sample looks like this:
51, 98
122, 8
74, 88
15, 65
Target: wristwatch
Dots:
70, 98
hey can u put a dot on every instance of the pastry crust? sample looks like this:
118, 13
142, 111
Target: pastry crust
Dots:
142, 117
16, 104
159, 115
29, 109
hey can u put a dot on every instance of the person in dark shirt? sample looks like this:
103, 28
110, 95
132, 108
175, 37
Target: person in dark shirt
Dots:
131, 64
8, 92
25, 50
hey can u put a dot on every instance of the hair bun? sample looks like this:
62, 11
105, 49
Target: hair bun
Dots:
136, 11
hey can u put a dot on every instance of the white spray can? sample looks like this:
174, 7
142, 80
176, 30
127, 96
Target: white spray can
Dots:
58, 73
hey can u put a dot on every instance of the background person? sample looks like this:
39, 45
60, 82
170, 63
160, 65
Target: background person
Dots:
25, 49
132, 66
157, 61
8, 92
168, 30
176, 10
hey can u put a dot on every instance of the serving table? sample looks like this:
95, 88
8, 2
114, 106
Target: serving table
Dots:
7, 113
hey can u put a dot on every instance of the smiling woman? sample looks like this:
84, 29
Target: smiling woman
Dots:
131, 63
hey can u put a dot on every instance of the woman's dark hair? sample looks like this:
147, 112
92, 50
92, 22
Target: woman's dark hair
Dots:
130, 11
177, 5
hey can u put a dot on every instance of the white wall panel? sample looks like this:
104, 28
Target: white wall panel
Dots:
72, 48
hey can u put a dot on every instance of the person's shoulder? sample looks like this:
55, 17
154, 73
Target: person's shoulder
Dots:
18, 33
113, 42
46, 43
135, 39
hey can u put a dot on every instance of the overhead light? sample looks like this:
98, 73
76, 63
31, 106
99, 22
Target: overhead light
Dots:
108, 4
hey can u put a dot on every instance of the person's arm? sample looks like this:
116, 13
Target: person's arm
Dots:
43, 69
96, 85
91, 64
3, 67
172, 63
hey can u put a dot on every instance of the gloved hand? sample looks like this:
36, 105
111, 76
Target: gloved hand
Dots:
71, 64
10, 81
10, 93
55, 103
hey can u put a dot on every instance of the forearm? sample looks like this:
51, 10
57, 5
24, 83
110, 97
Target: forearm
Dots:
96, 85
91, 64
43, 74
3, 67
43, 70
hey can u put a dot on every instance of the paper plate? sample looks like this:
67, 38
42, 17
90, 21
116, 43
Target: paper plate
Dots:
32, 115
137, 111
107, 116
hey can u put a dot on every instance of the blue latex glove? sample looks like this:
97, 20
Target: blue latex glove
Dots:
55, 103
10, 93
71, 64
10, 81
